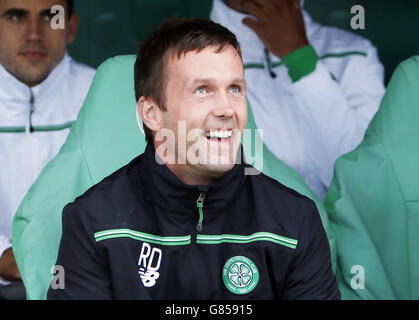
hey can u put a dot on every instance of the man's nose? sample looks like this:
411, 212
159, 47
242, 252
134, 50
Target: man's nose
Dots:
223, 107
34, 30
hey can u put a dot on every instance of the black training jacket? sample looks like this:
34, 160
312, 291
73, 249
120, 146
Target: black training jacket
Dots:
142, 233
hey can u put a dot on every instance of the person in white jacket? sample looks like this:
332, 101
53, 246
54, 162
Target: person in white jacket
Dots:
41, 92
313, 89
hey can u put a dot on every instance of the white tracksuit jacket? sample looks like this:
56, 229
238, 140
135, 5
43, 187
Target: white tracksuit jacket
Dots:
31, 133
310, 123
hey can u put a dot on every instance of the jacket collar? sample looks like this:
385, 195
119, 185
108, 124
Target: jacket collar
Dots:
166, 190
252, 46
13, 90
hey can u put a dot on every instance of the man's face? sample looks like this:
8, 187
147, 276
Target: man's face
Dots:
30, 48
206, 94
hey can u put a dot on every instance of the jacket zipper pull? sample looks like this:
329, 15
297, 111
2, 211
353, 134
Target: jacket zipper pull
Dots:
200, 205
31, 111
269, 64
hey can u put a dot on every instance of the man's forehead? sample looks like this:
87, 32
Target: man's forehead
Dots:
199, 61
215, 80
30, 5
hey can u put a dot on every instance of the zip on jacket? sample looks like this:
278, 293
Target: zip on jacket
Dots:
31, 111
200, 206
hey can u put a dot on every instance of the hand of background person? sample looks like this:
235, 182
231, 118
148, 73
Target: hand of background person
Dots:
278, 23
8, 266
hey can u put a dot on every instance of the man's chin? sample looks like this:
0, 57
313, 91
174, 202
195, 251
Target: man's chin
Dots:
220, 163
31, 73
217, 170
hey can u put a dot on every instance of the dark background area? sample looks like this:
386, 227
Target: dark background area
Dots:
113, 27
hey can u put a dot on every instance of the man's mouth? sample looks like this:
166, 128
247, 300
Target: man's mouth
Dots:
33, 55
220, 135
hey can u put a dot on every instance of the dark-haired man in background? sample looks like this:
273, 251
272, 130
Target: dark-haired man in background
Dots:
41, 92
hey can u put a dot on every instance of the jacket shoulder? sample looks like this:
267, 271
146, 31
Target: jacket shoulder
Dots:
115, 196
282, 195
328, 40
78, 82
81, 70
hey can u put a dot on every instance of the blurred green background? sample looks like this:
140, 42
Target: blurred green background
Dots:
113, 27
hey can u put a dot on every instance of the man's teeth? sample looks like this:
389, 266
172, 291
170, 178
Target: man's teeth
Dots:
219, 134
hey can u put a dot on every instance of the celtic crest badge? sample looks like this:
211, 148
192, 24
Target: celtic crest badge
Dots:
240, 275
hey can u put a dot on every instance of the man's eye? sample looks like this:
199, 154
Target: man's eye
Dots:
235, 89
16, 17
201, 90
48, 17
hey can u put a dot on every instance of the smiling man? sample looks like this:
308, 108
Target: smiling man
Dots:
212, 138
41, 92
183, 220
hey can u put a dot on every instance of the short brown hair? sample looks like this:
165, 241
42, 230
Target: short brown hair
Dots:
180, 36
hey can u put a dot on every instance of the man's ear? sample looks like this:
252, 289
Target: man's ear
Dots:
73, 23
150, 113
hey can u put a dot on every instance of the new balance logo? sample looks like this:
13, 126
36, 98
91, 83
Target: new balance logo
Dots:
149, 264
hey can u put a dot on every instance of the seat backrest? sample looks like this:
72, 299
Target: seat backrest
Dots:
373, 200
